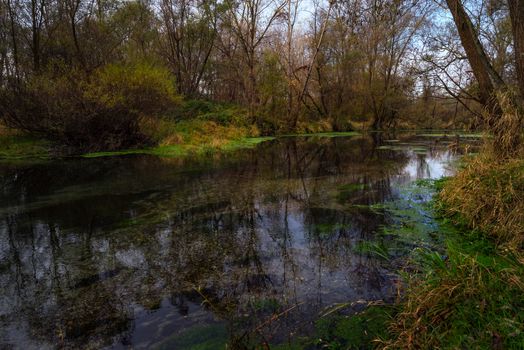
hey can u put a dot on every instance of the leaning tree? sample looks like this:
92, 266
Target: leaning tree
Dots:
503, 104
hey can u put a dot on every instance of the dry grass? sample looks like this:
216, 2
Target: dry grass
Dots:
196, 132
474, 297
467, 302
507, 128
489, 195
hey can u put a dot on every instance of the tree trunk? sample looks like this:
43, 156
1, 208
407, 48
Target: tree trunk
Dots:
13, 37
516, 14
488, 79
504, 117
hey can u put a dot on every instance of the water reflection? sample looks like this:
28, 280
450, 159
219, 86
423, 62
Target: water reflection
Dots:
145, 252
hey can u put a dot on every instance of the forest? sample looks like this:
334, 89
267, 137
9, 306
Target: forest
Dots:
107, 75
262, 174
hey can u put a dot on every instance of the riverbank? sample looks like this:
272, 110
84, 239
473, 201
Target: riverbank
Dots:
174, 140
472, 297
195, 127
183, 140
15, 146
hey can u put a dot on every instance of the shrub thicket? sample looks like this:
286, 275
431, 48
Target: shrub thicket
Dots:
99, 112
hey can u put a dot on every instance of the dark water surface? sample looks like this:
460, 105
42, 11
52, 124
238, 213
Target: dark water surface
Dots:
146, 252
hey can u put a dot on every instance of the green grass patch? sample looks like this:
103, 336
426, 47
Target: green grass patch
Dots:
465, 300
13, 147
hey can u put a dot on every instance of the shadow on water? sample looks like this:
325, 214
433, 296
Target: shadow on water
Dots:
245, 248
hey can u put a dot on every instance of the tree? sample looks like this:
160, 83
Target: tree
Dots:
491, 86
190, 31
250, 22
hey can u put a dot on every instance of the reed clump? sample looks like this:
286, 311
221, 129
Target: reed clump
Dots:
488, 194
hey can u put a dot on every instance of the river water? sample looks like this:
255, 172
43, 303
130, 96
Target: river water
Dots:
238, 248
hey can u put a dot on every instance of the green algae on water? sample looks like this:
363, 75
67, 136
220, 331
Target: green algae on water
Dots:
326, 134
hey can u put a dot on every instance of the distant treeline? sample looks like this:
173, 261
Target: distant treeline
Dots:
84, 71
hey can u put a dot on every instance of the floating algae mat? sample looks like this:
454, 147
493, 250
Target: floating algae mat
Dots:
454, 135
416, 149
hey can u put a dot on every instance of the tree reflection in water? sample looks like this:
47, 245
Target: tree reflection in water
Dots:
143, 252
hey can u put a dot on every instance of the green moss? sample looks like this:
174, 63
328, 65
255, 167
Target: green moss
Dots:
356, 331
15, 147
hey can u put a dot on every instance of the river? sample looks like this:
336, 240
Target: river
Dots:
239, 248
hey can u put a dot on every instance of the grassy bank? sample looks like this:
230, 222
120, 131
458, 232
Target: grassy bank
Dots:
206, 137
472, 297
196, 127
17, 146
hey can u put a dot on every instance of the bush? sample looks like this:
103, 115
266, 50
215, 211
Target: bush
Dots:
84, 113
220, 113
142, 89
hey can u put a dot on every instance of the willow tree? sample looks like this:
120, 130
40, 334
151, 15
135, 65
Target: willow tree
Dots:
503, 106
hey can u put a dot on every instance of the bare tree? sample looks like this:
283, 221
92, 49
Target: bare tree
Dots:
250, 22
190, 30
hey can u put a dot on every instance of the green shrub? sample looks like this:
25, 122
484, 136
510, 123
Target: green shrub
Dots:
220, 113
141, 88
89, 113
